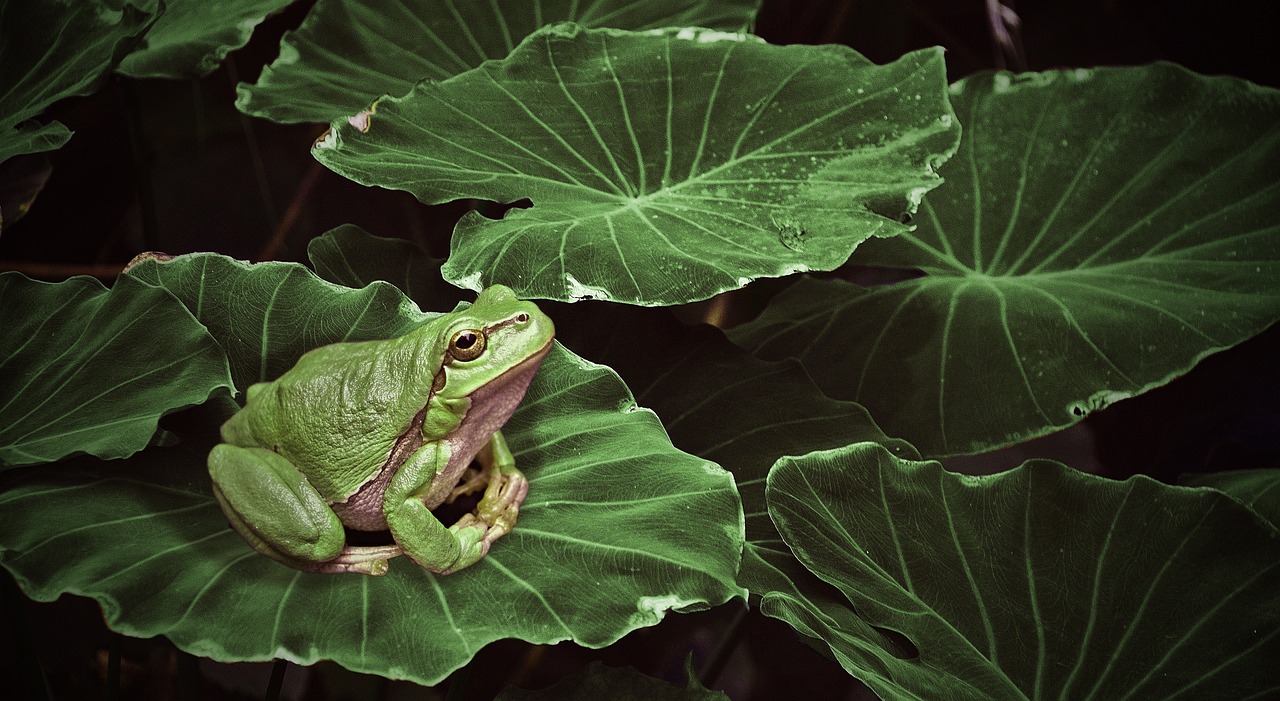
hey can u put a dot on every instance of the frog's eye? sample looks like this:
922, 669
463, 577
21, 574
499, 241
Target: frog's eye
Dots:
466, 345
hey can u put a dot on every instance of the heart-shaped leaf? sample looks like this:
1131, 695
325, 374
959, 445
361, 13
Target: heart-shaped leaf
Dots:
1075, 257
348, 53
190, 38
50, 50
665, 166
596, 552
1041, 580
80, 371
267, 315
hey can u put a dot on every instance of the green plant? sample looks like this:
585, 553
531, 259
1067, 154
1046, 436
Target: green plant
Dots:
1058, 241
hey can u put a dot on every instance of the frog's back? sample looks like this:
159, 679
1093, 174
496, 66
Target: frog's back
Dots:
337, 413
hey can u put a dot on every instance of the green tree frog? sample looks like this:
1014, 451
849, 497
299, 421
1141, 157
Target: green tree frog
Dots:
374, 435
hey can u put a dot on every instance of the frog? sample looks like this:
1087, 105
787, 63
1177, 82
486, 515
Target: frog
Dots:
374, 435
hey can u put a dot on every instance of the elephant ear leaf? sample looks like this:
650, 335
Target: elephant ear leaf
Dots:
81, 371
348, 53
664, 167
594, 556
1034, 581
1076, 256
52, 50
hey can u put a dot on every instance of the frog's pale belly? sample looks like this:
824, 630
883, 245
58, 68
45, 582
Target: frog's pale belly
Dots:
362, 511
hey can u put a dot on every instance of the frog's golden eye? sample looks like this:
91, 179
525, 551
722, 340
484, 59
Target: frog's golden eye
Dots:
467, 345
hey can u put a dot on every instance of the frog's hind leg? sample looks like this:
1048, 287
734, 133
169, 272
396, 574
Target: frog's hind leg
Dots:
292, 522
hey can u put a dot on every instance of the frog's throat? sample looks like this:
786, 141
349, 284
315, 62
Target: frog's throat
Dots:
491, 405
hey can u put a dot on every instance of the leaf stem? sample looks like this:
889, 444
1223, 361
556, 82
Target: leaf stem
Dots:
280, 235
140, 148
15, 608
255, 153
278, 668
715, 664
113, 668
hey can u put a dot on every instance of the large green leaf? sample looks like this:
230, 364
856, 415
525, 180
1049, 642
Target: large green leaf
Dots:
267, 315
348, 53
348, 255
80, 371
1257, 489
1099, 233
708, 392
663, 167
1034, 582
596, 552
191, 37
51, 49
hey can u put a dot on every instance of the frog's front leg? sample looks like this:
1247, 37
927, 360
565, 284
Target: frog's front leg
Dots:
273, 507
421, 535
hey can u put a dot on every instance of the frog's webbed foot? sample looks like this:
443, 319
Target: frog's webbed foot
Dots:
473, 480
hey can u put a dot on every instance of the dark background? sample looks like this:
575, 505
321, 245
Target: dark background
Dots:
248, 188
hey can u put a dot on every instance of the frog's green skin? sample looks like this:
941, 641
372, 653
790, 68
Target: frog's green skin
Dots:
374, 435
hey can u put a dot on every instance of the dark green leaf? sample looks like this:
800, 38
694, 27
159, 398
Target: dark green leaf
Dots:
595, 554
1033, 582
348, 53
597, 681
1100, 232
1257, 489
717, 401
720, 403
192, 37
664, 167
51, 49
267, 315
348, 255
81, 371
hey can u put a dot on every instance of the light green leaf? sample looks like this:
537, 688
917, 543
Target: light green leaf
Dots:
597, 681
267, 315
350, 256
1041, 581
595, 554
80, 371
51, 49
348, 53
1076, 256
664, 167
192, 37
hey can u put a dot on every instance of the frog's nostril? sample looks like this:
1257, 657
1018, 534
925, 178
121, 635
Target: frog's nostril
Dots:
522, 318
